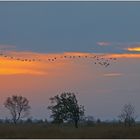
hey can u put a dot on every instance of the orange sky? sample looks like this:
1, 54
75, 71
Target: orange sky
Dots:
41, 79
41, 65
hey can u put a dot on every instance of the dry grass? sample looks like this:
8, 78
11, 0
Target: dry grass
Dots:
53, 131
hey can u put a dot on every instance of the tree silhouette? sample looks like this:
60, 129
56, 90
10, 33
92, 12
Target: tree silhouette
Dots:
65, 108
18, 107
127, 115
90, 121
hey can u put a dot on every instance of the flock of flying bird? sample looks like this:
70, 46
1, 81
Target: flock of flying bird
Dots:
97, 58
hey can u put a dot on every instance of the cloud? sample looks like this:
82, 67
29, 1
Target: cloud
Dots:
12, 67
13, 71
104, 43
124, 55
32, 63
133, 49
112, 74
7, 47
119, 47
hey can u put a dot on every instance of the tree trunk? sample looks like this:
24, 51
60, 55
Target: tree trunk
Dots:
15, 122
76, 123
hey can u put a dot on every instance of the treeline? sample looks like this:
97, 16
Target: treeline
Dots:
64, 108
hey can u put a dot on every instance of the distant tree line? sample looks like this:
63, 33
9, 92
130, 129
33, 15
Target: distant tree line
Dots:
64, 108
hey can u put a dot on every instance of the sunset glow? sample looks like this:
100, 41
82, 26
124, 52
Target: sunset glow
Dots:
47, 48
40, 63
135, 49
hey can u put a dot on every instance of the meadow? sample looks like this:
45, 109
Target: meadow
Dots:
68, 131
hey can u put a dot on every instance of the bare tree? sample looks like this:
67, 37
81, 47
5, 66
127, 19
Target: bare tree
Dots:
18, 107
128, 115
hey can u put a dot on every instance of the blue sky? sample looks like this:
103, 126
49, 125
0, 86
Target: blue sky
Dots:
69, 26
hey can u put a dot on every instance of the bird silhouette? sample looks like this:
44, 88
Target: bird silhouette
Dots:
99, 59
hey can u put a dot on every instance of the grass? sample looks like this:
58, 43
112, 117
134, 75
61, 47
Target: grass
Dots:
53, 131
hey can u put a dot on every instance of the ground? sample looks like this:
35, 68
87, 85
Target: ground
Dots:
54, 131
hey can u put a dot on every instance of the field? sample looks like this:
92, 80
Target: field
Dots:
54, 131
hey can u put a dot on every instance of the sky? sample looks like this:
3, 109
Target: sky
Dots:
47, 48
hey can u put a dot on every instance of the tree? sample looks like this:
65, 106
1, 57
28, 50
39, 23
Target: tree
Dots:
65, 108
128, 115
98, 121
18, 107
90, 121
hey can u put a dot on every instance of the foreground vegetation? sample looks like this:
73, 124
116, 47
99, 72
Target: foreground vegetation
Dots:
68, 121
41, 130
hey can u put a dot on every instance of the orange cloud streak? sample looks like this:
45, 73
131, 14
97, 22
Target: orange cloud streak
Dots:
9, 67
41, 65
135, 49
123, 55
